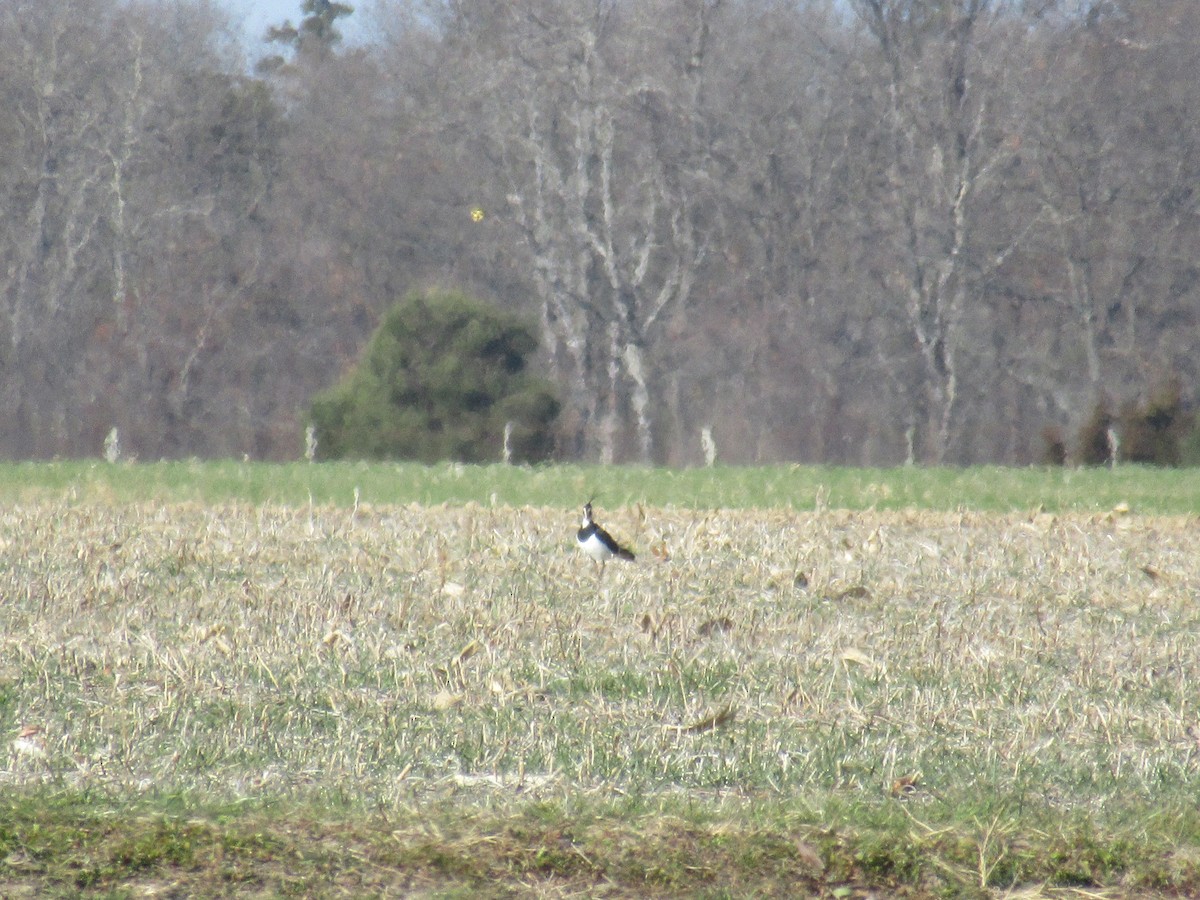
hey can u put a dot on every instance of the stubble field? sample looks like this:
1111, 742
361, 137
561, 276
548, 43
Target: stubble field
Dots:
430, 699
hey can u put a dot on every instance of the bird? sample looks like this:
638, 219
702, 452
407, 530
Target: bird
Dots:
598, 543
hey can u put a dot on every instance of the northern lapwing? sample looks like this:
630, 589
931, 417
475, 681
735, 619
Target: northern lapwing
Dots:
598, 543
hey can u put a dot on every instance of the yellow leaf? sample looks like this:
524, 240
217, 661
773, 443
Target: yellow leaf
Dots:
444, 700
716, 720
854, 655
468, 651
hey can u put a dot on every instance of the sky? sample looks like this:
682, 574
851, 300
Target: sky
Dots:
256, 16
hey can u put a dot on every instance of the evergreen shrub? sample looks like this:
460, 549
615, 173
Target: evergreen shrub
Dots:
441, 378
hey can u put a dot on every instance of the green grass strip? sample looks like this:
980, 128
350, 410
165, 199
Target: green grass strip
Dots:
985, 489
73, 845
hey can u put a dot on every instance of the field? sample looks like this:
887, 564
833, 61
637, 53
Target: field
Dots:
894, 683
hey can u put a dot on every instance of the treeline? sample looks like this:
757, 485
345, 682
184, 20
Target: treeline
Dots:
852, 232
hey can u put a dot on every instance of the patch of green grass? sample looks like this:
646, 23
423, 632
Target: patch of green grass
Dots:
66, 845
984, 488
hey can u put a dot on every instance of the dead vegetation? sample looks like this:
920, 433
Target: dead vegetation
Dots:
935, 702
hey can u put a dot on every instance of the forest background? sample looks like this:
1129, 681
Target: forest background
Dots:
843, 231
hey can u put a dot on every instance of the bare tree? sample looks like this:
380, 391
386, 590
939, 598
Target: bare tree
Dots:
54, 184
1114, 156
128, 180
922, 230
597, 131
939, 150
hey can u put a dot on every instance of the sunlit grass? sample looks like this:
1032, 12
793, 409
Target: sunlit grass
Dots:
955, 699
802, 488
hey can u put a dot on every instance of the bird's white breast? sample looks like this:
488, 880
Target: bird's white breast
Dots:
594, 547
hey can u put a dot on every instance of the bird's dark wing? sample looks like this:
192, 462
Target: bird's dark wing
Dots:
611, 543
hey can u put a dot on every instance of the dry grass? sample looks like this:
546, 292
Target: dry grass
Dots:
947, 702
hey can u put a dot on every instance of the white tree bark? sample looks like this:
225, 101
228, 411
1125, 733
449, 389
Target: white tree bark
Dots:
600, 205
